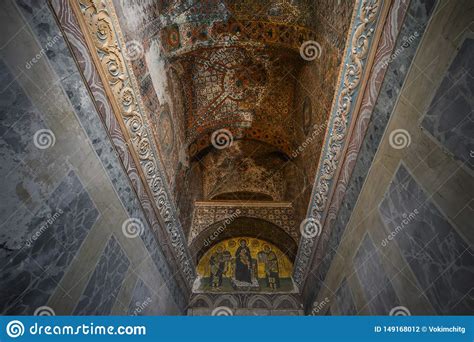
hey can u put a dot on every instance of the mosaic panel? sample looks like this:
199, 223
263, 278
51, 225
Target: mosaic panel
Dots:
244, 264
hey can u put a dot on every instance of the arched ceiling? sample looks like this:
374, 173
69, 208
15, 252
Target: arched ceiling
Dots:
238, 110
234, 61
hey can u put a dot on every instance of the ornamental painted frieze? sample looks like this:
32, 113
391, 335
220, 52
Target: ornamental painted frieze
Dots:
207, 213
101, 23
184, 38
355, 64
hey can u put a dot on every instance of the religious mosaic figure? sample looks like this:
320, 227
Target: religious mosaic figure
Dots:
270, 260
243, 263
218, 266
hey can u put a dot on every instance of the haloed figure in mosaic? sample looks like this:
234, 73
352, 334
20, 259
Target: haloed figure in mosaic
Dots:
218, 265
270, 260
243, 263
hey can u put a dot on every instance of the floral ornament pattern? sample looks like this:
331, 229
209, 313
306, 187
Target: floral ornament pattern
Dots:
101, 22
362, 33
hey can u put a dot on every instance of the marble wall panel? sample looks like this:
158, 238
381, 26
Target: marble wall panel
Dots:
442, 262
450, 116
105, 282
142, 299
344, 299
375, 118
378, 289
95, 115
53, 236
19, 121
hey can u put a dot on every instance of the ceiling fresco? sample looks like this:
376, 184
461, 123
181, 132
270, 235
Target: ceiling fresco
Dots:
237, 97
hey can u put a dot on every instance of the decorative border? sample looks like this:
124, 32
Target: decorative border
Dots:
79, 50
358, 49
207, 213
183, 38
237, 301
380, 66
398, 25
99, 21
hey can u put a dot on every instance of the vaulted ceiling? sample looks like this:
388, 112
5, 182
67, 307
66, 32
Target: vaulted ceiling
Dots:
237, 95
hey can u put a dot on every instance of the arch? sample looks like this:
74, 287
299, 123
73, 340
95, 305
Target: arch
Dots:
254, 302
200, 298
240, 227
286, 302
226, 300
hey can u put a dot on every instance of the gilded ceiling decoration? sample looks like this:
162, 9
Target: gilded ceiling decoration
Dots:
239, 90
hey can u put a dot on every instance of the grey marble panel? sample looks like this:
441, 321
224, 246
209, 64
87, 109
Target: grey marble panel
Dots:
19, 120
450, 116
378, 289
142, 301
54, 234
45, 28
440, 259
105, 282
344, 299
419, 13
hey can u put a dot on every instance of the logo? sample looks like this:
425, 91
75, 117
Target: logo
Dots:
44, 138
132, 227
400, 311
399, 139
222, 311
15, 329
310, 50
222, 138
133, 50
310, 228
44, 311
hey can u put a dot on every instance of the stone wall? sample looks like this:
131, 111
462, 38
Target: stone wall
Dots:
65, 195
404, 233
